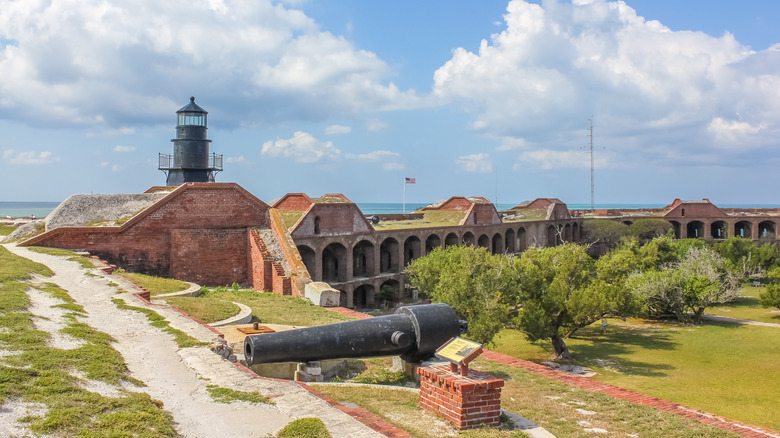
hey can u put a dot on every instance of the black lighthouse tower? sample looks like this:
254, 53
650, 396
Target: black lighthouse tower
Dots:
190, 161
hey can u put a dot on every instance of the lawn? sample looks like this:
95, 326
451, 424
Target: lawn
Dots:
277, 309
747, 307
6, 229
205, 309
155, 285
562, 410
727, 369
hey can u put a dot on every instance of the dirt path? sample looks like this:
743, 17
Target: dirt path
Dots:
178, 377
739, 321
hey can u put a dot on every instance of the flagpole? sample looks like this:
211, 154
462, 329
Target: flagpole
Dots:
404, 204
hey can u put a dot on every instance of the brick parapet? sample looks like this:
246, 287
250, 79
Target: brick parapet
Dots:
467, 401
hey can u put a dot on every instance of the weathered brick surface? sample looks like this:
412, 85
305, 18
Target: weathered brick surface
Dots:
467, 401
211, 217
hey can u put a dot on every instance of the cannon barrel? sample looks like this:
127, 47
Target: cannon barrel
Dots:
412, 332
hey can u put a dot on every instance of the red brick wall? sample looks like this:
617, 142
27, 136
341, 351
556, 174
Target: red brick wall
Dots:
210, 257
144, 244
266, 274
456, 203
466, 401
294, 202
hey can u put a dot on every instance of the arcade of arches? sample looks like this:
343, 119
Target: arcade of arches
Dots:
368, 268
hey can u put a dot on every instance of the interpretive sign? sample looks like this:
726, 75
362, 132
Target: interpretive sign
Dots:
459, 351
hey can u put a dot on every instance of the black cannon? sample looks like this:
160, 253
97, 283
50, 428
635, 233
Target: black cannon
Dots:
412, 332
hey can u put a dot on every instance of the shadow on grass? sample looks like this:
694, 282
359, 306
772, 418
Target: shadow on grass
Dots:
611, 349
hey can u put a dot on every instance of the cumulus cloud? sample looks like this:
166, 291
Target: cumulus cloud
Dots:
302, 147
12, 156
651, 89
475, 163
119, 148
375, 125
337, 129
239, 159
550, 159
118, 63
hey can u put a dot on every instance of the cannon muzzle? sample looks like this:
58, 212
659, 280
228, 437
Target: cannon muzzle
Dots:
412, 332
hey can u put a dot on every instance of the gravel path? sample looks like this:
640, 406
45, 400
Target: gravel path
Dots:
178, 377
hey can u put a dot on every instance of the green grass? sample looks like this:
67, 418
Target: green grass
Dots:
278, 309
289, 218
723, 368
7, 229
155, 285
304, 428
205, 309
551, 404
227, 395
36, 373
81, 260
435, 218
747, 306
183, 340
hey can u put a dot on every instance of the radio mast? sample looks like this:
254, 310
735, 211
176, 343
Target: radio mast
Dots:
592, 185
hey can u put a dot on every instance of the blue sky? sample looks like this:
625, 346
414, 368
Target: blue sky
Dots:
474, 98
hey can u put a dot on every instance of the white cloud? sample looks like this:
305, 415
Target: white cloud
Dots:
337, 129
550, 159
390, 160
124, 148
303, 147
117, 168
651, 89
239, 159
11, 156
475, 163
121, 63
375, 125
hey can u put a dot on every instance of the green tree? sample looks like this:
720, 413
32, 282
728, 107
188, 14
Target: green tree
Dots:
770, 297
738, 253
603, 234
687, 287
561, 291
649, 228
481, 287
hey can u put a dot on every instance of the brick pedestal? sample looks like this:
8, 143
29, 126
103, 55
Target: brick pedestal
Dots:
467, 401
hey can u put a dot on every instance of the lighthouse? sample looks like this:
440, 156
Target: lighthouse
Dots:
191, 160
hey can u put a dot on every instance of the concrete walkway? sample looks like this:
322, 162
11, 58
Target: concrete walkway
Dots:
178, 377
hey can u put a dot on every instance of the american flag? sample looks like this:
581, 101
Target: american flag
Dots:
410, 181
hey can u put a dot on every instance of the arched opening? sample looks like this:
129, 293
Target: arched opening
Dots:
719, 230
676, 226
567, 233
451, 240
412, 249
766, 230
743, 229
695, 229
551, 236
363, 296
496, 244
509, 241
308, 257
521, 240
363, 259
468, 238
316, 225
483, 241
432, 242
575, 232
627, 222
334, 263
389, 293
388, 256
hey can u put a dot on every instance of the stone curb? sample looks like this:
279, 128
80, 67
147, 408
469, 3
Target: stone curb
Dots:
192, 291
244, 316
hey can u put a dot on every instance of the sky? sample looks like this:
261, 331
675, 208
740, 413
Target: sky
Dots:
471, 98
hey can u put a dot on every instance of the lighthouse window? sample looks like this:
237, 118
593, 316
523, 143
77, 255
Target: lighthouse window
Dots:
186, 119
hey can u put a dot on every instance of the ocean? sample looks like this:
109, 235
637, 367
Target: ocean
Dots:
41, 209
